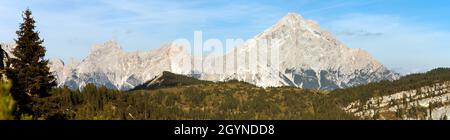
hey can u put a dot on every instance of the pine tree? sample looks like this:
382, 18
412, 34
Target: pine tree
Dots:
28, 71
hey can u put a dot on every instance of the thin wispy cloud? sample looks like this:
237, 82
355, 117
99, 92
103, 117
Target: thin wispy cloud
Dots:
339, 4
400, 43
139, 25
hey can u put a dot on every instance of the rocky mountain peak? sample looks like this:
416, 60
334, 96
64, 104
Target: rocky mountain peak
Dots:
292, 25
314, 58
107, 47
292, 18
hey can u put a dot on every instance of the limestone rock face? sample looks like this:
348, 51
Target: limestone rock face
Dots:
433, 100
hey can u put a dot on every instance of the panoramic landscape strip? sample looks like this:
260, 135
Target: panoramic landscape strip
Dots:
293, 70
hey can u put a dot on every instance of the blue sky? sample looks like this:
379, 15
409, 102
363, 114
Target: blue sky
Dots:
404, 35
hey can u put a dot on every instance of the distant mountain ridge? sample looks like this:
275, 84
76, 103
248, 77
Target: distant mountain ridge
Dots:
310, 58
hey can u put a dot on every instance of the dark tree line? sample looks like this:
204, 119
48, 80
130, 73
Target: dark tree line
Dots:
219, 101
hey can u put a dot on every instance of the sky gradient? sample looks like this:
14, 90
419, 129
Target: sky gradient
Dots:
405, 35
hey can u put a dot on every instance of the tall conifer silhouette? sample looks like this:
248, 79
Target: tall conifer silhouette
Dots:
28, 70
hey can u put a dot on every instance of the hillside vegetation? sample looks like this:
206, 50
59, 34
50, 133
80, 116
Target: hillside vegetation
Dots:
168, 79
185, 99
225, 100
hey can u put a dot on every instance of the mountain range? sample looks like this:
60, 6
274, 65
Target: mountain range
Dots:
308, 57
